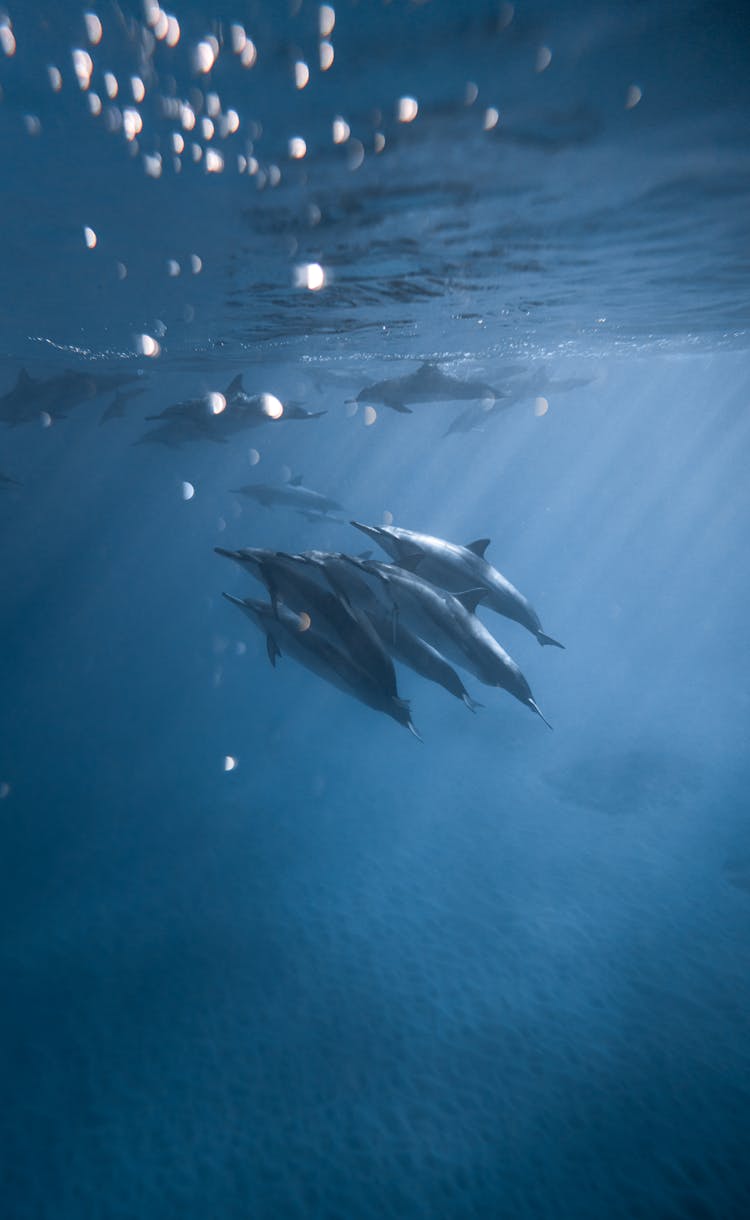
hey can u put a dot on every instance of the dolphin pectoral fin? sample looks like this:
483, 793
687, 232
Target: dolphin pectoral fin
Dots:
402, 409
547, 639
478, 547
272, 649
364, 555
470, 598
236, 601
530, 703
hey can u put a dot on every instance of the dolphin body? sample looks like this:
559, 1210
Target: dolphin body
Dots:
31, 396
199, 420
289, 633
427, 384
448, 623
403, 645
455, 568
291, 495
475, 416
303, 589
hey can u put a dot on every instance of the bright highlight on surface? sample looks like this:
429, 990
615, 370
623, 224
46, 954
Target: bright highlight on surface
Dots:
230, 763
370, 415
187, 490
301, 74
297, 148
304, 622
55, 78
310, 275
196, 264
326, 56
541, 407
89, 236
341, 130
491, 118
407, 109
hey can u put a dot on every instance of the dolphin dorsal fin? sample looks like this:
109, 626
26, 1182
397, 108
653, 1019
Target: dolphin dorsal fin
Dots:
478, 547
296, 481
470, 598
235, 386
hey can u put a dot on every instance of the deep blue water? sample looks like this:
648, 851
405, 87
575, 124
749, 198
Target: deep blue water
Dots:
500, 973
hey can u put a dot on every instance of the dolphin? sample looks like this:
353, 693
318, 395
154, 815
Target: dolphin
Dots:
448, 622
304, 589
455, 568
30, 396
291, 495
427, 384
289, 633
403, 645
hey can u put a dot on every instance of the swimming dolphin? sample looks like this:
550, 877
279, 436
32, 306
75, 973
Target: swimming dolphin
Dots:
402, 645
427, 384
304, 589
448, 622
455, 568
289, 633
31, 397
290, 495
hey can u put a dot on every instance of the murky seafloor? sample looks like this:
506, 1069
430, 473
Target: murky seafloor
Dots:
481, 271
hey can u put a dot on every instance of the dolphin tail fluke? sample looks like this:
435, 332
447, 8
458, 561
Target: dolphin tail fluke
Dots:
472, 704
530, 703
547, 639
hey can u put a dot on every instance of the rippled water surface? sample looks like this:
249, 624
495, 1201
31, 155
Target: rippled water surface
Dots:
481, 271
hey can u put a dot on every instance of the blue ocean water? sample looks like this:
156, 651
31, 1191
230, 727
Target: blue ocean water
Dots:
263, 953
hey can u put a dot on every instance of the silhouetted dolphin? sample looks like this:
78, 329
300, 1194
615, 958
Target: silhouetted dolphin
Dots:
116, 408
289, 633
427, 384
30, 396
455, 568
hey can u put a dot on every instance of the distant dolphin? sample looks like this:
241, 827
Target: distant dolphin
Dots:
288, 632
455, 568
427, 384
290, 495
448, 622
31, 397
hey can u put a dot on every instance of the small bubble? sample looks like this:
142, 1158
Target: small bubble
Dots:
93, 28
188, 491
326, 56
310, 275
55, 78
4, 790
326, 20
253, 457
370, 415
304, 621
297, 148
491, 118
45, 419
543, 59
89, 236
196, 264
230, 763
173, 267
541, 407
387, 518
633, 97
301, 74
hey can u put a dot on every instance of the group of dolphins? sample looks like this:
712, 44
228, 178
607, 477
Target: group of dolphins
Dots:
347, 618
